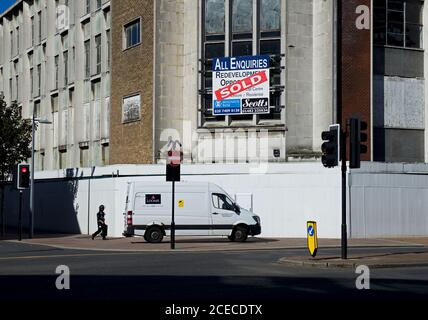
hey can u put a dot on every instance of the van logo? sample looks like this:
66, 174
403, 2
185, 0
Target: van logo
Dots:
153, 199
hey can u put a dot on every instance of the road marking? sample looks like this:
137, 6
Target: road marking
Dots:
68, 255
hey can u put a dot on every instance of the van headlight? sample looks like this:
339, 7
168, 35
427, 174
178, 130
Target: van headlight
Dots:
257, 219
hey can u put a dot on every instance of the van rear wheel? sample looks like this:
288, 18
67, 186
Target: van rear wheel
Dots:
240, 234
154, 235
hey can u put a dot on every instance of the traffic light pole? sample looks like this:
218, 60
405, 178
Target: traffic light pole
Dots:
20, 216
173, 218
31, 217
344, 169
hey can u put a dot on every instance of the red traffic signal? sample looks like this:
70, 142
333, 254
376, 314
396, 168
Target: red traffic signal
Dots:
23, 176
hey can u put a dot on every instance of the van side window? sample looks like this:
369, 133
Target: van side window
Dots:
221, 201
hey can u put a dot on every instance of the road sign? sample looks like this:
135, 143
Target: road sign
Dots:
311, 230
241, 85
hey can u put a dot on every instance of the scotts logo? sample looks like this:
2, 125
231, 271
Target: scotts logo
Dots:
255, 105
241, 85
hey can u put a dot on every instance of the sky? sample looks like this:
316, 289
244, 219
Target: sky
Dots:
4, 4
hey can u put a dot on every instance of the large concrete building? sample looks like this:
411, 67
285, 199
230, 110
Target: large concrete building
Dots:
161, 79
55, 60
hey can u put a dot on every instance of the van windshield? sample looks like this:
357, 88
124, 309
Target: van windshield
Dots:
222, 201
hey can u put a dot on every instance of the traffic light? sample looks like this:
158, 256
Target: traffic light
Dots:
23, 176
330, 148
358, 136
173, 165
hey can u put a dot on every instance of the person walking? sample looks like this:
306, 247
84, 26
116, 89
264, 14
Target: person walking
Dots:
101, 222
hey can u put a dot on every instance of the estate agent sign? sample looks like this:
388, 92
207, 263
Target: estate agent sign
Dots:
241, 85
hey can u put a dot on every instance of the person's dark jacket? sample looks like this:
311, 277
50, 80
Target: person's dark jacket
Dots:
100, 218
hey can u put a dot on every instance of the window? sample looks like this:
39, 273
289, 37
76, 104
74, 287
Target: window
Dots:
17, 40
37, 109
239, 25
39, 19
56, 72
11, 87
11, 44
98, 51
105, 151
42, 160
87, 58
86, 30
84, 157
39, 79
31, 82
88, 7
242, 28
108, 48
33, 37
221, 201
17, 87
70, 98
96, 90
16, 79
398, 23
65, 54
98, 4
131, 108
54, 103
63, 159
107, 18
132, 34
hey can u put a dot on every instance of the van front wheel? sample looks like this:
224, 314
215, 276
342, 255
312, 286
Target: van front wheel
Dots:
240, 234
154, 235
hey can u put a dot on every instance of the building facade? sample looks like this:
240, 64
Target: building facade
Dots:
399, 86
187, 35
122, 100
55, 62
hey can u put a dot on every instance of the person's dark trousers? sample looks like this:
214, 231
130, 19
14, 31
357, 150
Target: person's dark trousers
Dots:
104, 231
101, 228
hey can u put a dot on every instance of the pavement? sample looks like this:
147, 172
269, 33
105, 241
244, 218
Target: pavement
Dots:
84, 242
413, 253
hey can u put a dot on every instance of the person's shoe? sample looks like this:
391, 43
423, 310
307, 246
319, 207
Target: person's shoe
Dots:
104, 238
93, 237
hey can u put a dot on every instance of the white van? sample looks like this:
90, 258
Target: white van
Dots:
201, 209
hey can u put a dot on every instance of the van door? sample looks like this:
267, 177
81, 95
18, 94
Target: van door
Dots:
223, 215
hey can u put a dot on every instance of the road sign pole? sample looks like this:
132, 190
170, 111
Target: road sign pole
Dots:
20, 216
344, 169
173, 218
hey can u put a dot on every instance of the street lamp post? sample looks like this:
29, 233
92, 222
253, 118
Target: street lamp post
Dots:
33, 125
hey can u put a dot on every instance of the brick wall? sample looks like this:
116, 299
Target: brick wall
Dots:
132, 72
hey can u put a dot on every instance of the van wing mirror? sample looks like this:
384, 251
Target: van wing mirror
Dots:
237, 209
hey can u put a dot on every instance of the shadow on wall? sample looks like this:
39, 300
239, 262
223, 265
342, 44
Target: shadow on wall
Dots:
56, 208
379, 104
